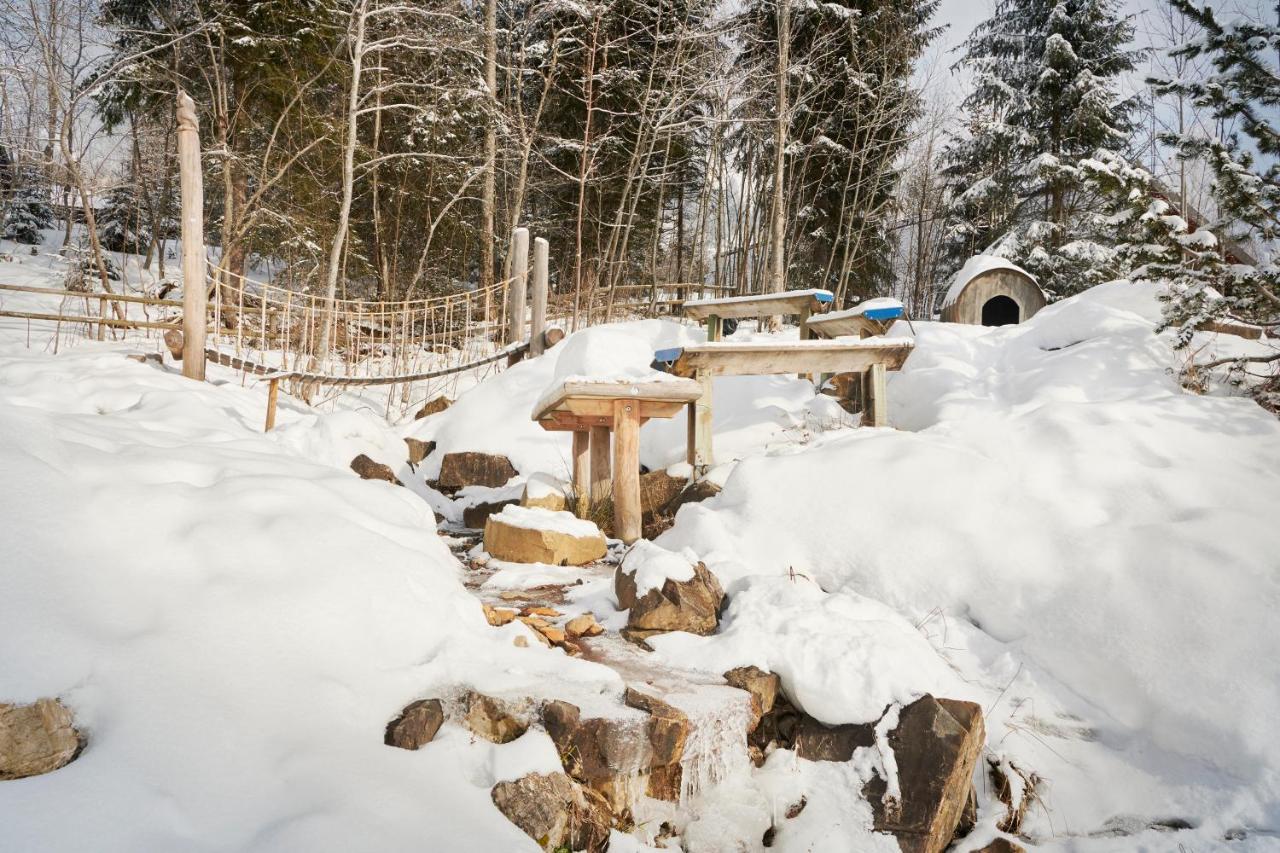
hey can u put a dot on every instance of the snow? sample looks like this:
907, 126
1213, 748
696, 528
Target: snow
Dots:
1088, 548
651, 566
536, 518
975, 267
863, 307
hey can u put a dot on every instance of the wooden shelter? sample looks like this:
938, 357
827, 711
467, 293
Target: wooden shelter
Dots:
991, 291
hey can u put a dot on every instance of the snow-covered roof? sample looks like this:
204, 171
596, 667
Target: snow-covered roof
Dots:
975, 267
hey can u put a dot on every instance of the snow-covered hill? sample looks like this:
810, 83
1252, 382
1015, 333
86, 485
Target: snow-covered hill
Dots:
1056, 530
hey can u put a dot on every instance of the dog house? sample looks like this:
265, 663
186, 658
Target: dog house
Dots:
991, 291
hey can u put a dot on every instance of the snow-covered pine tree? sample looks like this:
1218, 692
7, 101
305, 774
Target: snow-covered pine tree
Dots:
1044, 97
122, 222
28, 211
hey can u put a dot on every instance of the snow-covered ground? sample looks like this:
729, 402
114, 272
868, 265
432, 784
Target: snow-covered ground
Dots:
1055, 530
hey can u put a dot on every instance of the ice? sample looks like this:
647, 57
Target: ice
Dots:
716, 748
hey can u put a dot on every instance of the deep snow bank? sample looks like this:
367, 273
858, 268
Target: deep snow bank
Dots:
233, 625
1060, 492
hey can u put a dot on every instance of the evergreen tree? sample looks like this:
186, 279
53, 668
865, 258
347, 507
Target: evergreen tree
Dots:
852, 104
122, 222
1044, 98
28, 211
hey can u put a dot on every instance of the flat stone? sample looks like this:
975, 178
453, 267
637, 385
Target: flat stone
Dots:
418, 449
668, 726
416, 726
936, 745
1002, 845
555, 812
433, 407
498, 616
37, 738
517, 544
459, 470
583, 626
370, 470
497, 720
692, 605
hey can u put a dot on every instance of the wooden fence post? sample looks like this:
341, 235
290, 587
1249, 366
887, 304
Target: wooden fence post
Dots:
538, 320
194, 290
519, 285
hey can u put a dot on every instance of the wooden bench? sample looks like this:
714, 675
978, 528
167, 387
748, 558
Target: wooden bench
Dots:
731, 358
802, 303
593, 410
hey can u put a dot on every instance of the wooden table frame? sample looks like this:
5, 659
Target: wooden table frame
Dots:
704, 361
593, 410
802, 303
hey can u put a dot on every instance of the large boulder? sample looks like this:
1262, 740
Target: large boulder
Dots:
763, 687
936, 745
555, 812
370, 470
37, 738
459, 470
695, 492
416, 726
522, 535
691, 605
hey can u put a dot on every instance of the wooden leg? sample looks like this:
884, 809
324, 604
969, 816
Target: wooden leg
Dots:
714, 327
626, 473
877, 404
691, 437
273, 392
599, 463
703, 457
581, 472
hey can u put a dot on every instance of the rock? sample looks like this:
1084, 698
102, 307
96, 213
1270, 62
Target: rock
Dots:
668, 727
497, 720
433, 407
418, 449
969, 815
763, 687
693, 493
657, 490
370, 470
498, 616
603, 752
539, 610
555, 812
173, 341
416, 726
521, 642
459, 470
815, 741
558, 547
477, 515
692, 605
583, 626
37, 738
545, 492
552, 633
1002, 845
936, 745
664, 783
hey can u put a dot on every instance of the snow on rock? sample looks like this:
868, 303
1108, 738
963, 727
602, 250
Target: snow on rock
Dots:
536, 518
651, 565
842, 658
1081, 538
233, 625
975, 267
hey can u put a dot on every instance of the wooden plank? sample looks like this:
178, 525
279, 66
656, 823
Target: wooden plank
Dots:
581, 471
110, 297
626, 471
600, 474
109, 321
195, 295
679, 392
760, 359
856, 324
538, 314
765, 305
519, 284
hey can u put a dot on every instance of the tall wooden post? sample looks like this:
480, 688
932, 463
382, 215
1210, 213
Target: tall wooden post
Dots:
538, 315
194, 291
519, 285
876, 403
626, 470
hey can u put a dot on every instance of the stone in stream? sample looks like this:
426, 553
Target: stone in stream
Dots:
583, 626
433, 407
522, 535
763, 687
370, 470
497, 720
418, 449
611, 754
416, 726
37, 738
691, 605
459, 470
477, 515
936, 746
555, 811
